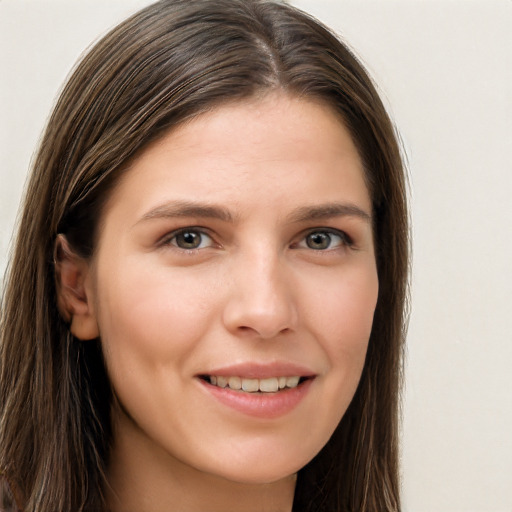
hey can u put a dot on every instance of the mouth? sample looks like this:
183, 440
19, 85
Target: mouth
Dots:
255, 386
264, 391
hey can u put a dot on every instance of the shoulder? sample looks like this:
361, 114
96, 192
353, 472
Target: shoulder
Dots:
8, 501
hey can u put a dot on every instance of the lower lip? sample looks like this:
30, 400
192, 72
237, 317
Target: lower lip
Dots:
261, 405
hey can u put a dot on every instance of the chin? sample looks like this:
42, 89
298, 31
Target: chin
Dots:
260, 478
260, 474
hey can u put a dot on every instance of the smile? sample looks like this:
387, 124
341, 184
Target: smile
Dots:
255, 401
247, 385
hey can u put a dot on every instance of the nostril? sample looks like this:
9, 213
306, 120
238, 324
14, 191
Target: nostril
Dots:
246, 330
262, 332
265, 317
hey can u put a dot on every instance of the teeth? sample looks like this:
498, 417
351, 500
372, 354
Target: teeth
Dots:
235, 382
292, 382
250, 385
222, 382
270, 385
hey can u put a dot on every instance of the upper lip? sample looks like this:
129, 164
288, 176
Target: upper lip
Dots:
262, 371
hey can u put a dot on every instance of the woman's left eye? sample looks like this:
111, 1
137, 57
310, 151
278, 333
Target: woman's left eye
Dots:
190, 239
321, 240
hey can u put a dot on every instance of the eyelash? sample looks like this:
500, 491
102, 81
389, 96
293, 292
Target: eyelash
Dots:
344, 239
171, 238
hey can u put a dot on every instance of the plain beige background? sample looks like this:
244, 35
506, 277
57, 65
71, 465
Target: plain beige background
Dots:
443, 68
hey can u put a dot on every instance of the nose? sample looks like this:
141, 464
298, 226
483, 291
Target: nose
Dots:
261, 302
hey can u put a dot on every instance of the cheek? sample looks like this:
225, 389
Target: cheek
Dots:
339, 312
342, 311
150, 319
341, 318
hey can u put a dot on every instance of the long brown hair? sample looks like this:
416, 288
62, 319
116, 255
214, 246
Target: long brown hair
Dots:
170, 62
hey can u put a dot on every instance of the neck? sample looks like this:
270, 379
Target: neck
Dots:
145, 479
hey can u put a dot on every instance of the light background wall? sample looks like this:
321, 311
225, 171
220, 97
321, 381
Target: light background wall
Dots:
444, 69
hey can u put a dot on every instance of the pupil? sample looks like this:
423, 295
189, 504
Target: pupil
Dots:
318, 241
188, 240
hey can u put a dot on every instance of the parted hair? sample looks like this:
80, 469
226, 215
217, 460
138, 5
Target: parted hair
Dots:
172, 61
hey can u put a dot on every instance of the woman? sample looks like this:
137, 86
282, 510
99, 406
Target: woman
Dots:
205, 305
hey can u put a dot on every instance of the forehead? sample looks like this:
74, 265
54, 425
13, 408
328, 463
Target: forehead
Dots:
273, 147
268, 125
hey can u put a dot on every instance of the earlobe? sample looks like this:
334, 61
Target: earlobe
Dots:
74, 291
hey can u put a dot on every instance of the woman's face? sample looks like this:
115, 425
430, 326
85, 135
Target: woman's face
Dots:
237, 251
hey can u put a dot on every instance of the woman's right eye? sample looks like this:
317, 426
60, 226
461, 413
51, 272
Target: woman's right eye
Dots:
190, 239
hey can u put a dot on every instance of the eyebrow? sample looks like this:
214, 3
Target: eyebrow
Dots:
324, 211
178, 209
188, 209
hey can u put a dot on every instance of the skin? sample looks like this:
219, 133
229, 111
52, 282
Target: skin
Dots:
256, 289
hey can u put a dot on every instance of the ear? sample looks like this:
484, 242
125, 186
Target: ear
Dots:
74, 291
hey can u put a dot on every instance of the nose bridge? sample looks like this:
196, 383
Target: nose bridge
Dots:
261, 301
